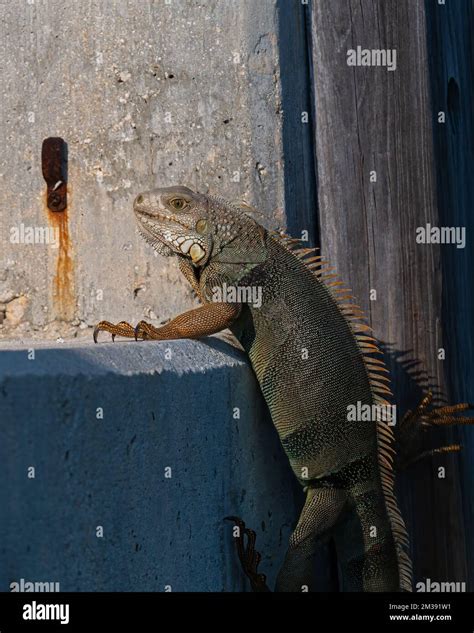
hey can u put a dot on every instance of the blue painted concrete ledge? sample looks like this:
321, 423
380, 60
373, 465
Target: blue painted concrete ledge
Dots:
118, 463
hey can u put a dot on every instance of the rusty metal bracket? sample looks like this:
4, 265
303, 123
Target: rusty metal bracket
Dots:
54, 164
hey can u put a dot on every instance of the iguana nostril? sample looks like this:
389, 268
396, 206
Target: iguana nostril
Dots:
139, 199
201, 226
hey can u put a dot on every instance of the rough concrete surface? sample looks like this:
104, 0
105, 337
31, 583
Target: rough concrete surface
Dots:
164, 405
205, 93
145, 94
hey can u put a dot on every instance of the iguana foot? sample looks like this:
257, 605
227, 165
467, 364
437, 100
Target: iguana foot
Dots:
248, 556
120, 329
421, 418
142, 331
440, 416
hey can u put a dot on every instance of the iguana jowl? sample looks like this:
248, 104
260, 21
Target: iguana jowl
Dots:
312, 358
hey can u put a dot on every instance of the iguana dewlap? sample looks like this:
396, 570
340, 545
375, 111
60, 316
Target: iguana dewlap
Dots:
312, 358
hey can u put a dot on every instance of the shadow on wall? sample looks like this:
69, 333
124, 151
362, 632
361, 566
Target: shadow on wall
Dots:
298, 134
119, 467
452, 93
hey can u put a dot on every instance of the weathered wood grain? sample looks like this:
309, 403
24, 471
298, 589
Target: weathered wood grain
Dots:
371, 119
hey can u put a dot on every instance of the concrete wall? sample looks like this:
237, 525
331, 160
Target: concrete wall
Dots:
148, 93
164, 405
145, 93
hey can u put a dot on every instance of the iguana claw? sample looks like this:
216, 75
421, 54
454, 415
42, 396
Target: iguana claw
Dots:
439, 416
421, 418
120, 329
248, 556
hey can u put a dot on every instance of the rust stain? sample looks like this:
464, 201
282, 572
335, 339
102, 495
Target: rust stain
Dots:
54, 165
64, 300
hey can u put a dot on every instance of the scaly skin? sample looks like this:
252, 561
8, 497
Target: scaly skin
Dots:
311, 363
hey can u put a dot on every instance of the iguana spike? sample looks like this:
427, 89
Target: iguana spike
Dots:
316, 261
361, 327
379, 377
352, 306
343, 297
380, 387
376, 368
323, 275
301, 252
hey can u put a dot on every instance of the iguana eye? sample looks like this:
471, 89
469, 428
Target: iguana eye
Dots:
178, 203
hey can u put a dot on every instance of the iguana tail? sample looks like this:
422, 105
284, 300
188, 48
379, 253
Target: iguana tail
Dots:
369, 555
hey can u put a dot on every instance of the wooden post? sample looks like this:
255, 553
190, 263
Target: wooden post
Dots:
376, 185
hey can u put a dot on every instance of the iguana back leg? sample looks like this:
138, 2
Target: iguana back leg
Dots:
203, 321
320, 513
365, 546
322, 510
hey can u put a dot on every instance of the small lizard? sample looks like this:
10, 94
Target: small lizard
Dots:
313, 355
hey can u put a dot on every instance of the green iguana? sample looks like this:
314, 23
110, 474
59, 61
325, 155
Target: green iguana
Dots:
312, 356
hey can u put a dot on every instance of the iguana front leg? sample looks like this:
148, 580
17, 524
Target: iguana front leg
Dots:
248, 555
203, 321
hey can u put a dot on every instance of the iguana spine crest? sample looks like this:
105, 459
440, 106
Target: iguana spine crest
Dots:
376, 369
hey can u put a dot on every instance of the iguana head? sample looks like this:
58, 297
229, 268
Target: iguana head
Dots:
174, 221
199, 227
